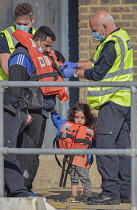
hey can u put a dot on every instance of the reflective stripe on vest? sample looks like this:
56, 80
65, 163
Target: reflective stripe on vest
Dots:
121, 71
11, 44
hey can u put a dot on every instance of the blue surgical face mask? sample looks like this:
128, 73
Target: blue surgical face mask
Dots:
23, 28
98, 37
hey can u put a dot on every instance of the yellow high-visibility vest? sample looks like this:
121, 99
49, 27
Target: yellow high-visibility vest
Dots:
11, 43
121, 71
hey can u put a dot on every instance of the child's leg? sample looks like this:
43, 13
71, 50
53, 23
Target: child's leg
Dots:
83, 174
74, 189
74, 180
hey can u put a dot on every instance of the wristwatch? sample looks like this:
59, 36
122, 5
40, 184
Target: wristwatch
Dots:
76, 73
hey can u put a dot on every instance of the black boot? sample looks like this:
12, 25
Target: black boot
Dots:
103, 200
125, 199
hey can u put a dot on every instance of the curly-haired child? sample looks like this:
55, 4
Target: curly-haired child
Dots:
79, 126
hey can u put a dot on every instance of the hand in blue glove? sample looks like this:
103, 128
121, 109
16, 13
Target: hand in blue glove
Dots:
67, 72
69, 64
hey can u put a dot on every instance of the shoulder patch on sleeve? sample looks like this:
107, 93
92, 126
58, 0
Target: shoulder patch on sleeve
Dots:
129, 44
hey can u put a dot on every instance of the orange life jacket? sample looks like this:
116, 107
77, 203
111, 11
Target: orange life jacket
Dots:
43, 64
73, 136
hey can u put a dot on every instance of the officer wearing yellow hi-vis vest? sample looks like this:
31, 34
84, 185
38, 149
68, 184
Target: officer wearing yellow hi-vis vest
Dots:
23, 18
122, 70
112, 62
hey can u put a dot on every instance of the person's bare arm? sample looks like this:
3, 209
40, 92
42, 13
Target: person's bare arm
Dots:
83, 65
70, 69
80, 73
4, 57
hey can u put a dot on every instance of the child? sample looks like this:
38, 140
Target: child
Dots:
79, 116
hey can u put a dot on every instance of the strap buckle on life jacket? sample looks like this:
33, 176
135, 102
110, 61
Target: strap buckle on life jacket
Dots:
55, 66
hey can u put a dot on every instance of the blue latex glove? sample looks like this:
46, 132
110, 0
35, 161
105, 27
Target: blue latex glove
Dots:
69, 64
67, 72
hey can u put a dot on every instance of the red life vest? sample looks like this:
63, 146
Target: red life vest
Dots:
43, 64
73, 136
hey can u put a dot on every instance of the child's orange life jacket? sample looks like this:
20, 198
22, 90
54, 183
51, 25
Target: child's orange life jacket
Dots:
43, 64
73, 136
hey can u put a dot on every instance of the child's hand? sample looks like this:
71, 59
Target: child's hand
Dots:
53, 111
90, 159
29, 119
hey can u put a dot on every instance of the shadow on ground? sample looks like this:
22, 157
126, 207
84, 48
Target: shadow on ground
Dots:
58, 194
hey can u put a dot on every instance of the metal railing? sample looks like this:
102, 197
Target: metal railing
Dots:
129, 152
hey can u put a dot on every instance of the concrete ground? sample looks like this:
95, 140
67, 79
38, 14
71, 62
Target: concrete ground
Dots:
46, 184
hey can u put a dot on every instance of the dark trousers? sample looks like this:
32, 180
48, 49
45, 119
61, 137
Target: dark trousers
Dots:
31, 137
113, 132
12, 173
